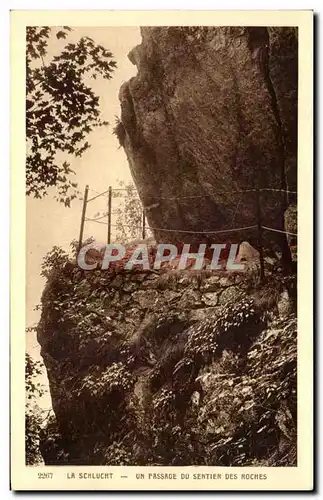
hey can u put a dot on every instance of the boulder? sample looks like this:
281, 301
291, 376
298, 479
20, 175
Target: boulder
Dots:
211, 116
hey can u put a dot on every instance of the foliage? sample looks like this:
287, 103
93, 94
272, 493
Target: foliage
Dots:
32, 370
291, 218
61, 107
55, 259
218, 391
291, 227
129, 213
33, 414
119, 131
244, 416
232, 327
114, 378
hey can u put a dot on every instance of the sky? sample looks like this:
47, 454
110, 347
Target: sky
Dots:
50, 223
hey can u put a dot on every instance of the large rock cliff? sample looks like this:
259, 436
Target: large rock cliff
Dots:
211, 111
187, 368
169, 368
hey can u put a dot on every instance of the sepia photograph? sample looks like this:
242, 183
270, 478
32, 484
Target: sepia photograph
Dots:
161, 294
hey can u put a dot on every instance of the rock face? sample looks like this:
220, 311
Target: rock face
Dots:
174, 368
212, 111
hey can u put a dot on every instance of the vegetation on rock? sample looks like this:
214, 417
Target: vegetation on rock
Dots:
137, 379
34, 416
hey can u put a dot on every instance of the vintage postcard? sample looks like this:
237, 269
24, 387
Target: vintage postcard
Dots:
162, 234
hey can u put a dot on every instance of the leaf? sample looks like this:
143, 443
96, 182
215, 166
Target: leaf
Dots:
61, 34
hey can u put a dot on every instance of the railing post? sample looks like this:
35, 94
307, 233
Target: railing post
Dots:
260, 241
86, 192
109, 214
143, 224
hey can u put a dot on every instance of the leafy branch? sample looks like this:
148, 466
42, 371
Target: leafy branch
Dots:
61, 108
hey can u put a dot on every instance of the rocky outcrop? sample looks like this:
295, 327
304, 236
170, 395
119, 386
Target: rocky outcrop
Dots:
194, 367
213, 110
169, 368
